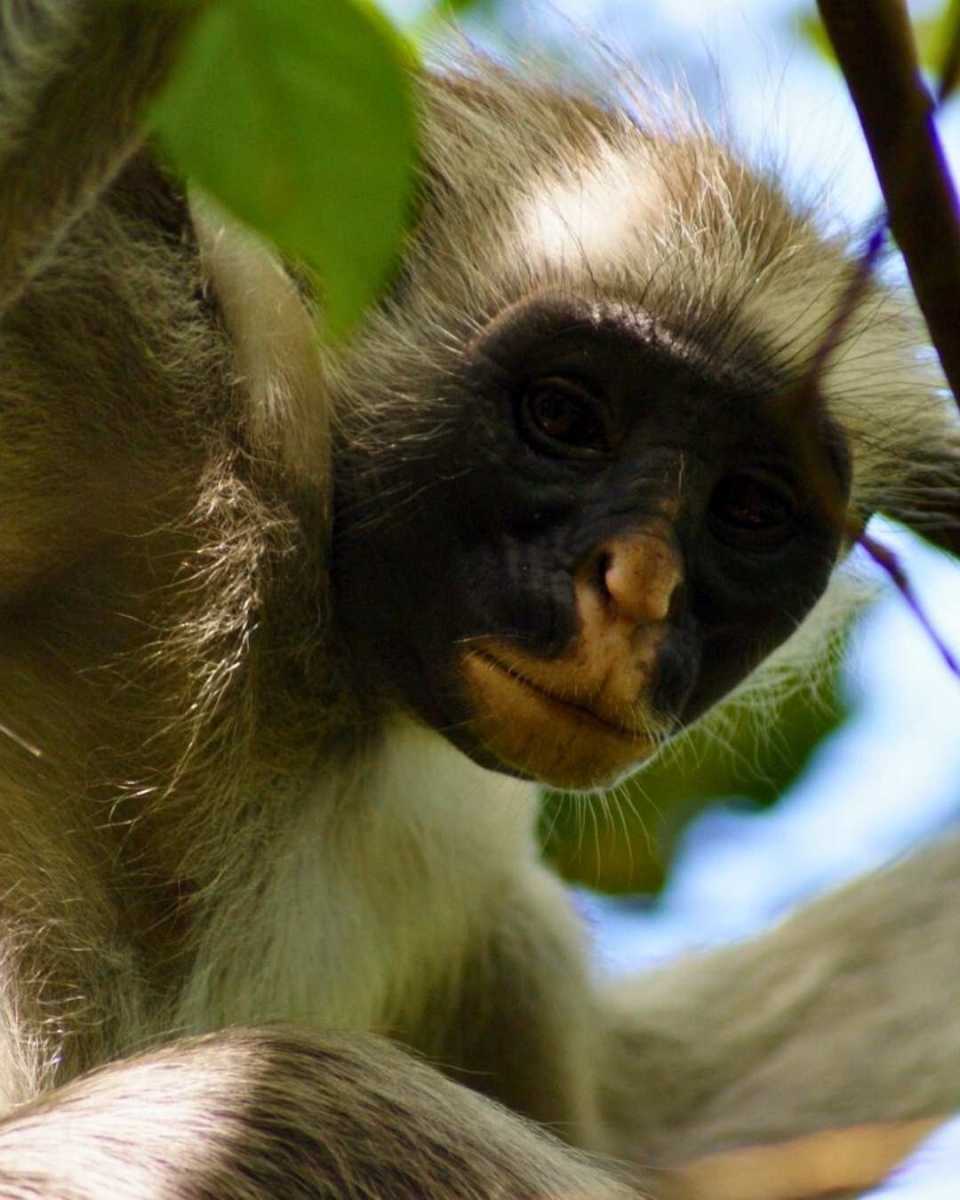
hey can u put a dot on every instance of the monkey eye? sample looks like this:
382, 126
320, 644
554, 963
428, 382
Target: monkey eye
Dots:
560, 416
752, 507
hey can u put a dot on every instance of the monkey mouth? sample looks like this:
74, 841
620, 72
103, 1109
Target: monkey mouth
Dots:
562, 742
550, 699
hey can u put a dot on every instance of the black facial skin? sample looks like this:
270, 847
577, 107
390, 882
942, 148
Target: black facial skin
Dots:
566, 427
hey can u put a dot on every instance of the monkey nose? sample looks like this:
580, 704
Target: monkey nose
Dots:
638, 577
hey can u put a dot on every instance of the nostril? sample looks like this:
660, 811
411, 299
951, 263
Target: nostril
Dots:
601, 567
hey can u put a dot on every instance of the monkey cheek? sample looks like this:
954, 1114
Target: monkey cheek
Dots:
543, 738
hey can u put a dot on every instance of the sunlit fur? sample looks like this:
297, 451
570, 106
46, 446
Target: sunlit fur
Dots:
538, 191
221, 829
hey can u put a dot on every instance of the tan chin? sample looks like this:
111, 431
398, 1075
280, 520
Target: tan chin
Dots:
547, 739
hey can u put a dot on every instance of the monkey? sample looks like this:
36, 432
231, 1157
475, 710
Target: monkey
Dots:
292, 632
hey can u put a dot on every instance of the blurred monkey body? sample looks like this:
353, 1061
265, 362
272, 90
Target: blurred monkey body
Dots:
297, 631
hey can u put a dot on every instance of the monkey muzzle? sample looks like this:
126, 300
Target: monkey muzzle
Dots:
584, 719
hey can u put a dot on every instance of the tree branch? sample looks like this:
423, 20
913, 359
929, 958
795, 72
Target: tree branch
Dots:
874, 46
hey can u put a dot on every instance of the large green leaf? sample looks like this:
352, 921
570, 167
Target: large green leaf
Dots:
298, 116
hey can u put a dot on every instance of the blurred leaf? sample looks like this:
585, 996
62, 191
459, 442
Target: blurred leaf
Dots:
450, 8
445, 12
811, 28
299, 118
933, 35
950, 65
622, 842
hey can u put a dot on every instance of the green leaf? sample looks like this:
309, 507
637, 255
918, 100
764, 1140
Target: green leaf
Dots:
812, 30
932, 35
299, 118
444, 15
624, 842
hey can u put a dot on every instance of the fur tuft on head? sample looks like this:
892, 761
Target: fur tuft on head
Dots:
528, 188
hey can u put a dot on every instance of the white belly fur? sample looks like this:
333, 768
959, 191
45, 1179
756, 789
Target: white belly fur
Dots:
310, 941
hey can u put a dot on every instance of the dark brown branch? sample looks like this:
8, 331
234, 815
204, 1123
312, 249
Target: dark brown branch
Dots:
874, 46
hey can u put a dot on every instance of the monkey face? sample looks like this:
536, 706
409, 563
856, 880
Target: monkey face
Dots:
603, 533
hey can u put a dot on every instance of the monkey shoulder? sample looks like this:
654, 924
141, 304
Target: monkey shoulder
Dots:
311, 941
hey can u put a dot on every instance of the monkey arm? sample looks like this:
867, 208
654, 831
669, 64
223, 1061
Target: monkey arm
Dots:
71, 983
245, 1114
74, 75
524, 1029
846, 1013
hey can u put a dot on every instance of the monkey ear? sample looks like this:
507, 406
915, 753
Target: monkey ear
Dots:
927, 501
275, 335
